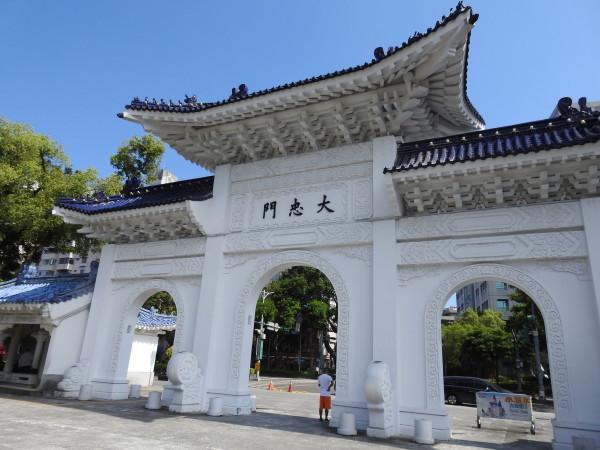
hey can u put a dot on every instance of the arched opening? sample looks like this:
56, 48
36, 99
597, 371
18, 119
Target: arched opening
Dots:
23, 349
152, 340
295, 330
493, 338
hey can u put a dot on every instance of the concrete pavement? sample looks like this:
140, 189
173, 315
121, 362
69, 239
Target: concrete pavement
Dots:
283, 420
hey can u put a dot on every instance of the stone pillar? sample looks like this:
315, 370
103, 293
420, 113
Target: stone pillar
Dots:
590, 208
12, 349
385, 337
40, 339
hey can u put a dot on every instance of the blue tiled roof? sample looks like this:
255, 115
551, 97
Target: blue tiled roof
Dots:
163, 194
150, 319
45, 289
549, 134
192, 105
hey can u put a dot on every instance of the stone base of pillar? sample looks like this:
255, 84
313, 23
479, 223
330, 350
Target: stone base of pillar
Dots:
187, 398
380, 433
359, 409
234, 404
110, 389
167, 395
440, 422
574, 436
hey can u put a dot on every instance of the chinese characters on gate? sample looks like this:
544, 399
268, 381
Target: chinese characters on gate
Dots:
296, 208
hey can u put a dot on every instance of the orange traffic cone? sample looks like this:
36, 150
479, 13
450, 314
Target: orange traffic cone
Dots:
270, 386
290, 389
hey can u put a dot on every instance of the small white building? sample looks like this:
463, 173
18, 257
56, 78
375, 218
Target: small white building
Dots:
150, 325
42, 324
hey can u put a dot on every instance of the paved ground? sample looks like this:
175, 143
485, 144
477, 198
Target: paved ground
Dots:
283, 420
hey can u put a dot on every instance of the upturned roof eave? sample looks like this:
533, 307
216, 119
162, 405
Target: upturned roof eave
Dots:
253, 105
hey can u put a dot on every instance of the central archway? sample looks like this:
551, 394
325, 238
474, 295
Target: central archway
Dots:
549, 310
261, 274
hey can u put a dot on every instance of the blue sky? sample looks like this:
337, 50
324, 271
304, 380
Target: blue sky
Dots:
68, 67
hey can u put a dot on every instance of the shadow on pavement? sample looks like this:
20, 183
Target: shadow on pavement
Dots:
133, 409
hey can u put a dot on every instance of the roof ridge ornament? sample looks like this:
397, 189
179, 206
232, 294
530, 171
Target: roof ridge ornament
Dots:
567, 111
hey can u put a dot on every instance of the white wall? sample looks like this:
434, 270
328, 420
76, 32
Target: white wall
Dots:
65, 343
142, 358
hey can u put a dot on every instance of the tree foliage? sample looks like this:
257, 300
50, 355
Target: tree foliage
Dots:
525, 317
34, 172
475, 343
304, 295
139, 159
162, 302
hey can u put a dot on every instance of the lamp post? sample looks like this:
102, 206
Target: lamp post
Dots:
259, 348
299, 331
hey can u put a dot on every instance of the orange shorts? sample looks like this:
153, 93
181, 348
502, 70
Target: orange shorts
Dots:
324, 402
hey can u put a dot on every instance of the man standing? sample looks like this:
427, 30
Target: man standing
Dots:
325, 382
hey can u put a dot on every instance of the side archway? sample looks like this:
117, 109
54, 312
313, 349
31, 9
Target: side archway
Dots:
135, 298
261, 273
520, 279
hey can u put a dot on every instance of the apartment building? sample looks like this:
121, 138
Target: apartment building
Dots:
488, 294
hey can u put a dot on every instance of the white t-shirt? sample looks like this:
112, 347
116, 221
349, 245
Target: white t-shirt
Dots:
324, 383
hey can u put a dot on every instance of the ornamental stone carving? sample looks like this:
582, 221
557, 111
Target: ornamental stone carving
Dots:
180, 267
547, 306
577, 267
504, 220
283, 260
345, 155
565, 244
363, 199
238, 212
162, 249
309, 236
379, 394
362, 253
186, 383
72, 380
304, 179
182, 368
407, 273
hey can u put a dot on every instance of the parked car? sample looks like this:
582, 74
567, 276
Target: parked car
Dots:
459, 390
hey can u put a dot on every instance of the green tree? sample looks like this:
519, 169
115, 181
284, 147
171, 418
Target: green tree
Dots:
139, 159
304, 294
162, 302
525, 317
34, 172
476, 343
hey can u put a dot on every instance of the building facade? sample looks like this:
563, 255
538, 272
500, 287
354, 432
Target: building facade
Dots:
382, 177
488, 294
53, 262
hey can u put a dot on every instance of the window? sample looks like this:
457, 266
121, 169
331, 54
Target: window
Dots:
484, 306
502, 304
84, 259
500, 285
71, 260
52, 261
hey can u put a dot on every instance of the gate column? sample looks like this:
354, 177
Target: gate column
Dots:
385, 339
590, 208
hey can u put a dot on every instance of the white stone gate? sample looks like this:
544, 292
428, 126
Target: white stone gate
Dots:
325, 173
